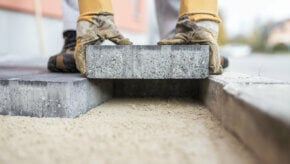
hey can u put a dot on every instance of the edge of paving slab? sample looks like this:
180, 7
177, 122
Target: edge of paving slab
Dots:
42, 94
255, 110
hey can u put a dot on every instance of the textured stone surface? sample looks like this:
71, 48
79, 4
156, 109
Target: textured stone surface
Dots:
37, 93
271, 99
148, 62
255, 109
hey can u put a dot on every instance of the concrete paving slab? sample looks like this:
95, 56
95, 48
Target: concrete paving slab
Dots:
7, 72
256, 111
276, 66
272, 99
233, 77
148, 62
42, 94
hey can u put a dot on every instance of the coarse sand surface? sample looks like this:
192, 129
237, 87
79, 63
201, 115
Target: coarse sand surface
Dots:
123, 131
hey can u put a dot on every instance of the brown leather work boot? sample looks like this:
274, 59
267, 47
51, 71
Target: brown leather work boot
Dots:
64, 61
225, 62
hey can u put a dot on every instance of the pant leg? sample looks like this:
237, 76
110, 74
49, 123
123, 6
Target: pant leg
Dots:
199, 10
167, 12
70, 14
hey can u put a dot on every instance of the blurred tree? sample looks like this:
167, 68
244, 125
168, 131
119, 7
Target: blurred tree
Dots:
222, 36
281, 47
259, 36
240, 39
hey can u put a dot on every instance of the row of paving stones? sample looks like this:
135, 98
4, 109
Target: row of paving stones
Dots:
32, 91
35, 92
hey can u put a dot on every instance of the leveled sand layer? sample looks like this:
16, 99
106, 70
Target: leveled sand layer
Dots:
123, 131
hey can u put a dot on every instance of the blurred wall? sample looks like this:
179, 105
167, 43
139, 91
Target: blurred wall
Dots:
20, 35
280, 33
50, 8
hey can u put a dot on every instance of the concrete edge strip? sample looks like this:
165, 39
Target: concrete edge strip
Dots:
263, 132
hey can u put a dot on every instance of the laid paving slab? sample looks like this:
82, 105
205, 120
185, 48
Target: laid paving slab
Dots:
255, 109
7, 72
37, 93
270, 98
148, 62
238, 78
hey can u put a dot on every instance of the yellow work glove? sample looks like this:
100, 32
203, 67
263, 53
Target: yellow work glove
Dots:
95, 24
188, 32
198, 24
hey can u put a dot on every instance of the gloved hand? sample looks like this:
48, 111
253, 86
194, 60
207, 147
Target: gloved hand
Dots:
188, 32
101, 27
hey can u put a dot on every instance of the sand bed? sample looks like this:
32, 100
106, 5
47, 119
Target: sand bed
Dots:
123, 131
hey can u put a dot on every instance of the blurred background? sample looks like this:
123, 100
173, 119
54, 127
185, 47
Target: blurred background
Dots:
255, 35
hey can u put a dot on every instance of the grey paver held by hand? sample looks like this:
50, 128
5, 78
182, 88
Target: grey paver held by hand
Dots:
148, 62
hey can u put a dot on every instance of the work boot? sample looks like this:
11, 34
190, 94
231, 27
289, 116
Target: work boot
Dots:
64, 61
198, 32
225, 62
